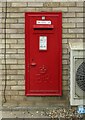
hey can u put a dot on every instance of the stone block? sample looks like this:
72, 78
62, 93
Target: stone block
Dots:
17, 36
75, 9
43, 9
11, 41
17, 56
10, 61
17, 45
76, 30
11, 72
80, 35
80, 25
9, 20
19, 4
11, 92
17, 77
65, 77
80, 15
67, 4
69, 36
21, 61
16, 15
51, 4
65, 62
21, 31
11, 31
21, 92
35, 4
21, 41
65, 72
10, 51
17, 88
21, 82
17, 67
10, 83
75, 20
65, 51
65, 83
65, 31
69, 25
68, 15
19, 26
64, 40
80, 4
21, 51
62, 9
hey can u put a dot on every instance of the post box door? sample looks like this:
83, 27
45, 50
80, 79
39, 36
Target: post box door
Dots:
43, 53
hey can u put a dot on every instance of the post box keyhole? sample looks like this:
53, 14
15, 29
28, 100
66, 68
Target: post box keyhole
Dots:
33, 63
32, 59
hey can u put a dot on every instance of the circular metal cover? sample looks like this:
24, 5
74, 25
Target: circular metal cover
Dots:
80, 76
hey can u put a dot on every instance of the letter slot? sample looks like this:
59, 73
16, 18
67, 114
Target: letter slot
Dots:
43, 27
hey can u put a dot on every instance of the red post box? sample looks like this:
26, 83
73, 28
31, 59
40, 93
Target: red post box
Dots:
43, 53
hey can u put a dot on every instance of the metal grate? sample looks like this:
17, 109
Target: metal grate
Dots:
80, 76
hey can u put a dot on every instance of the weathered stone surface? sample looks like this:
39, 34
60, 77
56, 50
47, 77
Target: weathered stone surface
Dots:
35, 4
51, 4
19, 4
61, 9
75, 9
69, 4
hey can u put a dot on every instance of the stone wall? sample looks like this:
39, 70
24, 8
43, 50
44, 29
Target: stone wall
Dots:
72, 27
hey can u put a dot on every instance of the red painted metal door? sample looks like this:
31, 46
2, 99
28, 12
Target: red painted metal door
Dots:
43, 53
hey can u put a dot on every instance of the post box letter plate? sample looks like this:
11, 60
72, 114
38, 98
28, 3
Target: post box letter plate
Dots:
43, 43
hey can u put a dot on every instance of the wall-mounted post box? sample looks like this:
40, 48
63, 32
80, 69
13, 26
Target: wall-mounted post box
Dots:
43, 53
